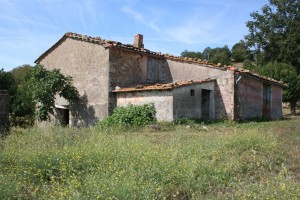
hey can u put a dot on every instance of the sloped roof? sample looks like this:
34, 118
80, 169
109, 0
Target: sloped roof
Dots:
165, 86
258, 76
119, 45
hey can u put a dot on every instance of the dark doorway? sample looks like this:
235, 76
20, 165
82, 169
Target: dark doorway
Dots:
266, 109
63, 116
205, 104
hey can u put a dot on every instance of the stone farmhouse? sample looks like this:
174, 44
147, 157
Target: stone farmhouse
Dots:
108, 74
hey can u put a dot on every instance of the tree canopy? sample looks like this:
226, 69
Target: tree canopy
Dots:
240, 52
214, 55
7, 82
44, 85
22, 104
220, 55
274, 34
191, 54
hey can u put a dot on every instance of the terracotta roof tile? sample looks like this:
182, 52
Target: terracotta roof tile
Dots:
162, 86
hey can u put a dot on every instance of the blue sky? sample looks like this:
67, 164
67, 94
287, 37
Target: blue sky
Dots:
29, 27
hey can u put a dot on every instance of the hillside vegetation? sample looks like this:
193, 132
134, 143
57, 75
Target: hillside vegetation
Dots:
219, 161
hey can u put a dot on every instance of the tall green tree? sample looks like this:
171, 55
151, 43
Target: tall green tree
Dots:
220, 55
22, 104
274, 34
44, 85
240, 52
7, 82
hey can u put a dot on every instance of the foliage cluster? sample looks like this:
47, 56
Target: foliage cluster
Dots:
225, 162
44, 85
7, 82
215, 55
274, 32
132, 115
29, 85
22, 106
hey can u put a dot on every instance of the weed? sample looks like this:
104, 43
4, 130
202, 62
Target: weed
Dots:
236, 161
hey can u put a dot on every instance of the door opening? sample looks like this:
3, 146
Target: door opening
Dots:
63, 116
266, 109
205, 104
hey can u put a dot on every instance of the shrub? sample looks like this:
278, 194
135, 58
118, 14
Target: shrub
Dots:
130, 116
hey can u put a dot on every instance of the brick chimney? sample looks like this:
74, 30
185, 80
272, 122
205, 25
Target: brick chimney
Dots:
138, 41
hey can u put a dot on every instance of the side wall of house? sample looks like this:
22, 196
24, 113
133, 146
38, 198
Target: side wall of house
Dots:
188, 101
249, 98
88, 64
163, 102
224, 90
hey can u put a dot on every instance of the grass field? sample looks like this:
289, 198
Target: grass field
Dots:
224, 160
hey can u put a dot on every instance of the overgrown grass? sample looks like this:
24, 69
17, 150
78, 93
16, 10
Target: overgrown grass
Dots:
224, 160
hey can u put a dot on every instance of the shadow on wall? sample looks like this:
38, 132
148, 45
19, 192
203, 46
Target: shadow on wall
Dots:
220, 110
82, 113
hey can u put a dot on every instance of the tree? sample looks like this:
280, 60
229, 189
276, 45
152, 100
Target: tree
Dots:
19, 73
191, 54
220, 55
7, 82
275, 33
44, 85
240, 52
22, 104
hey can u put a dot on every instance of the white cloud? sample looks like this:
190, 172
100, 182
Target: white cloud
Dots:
141, 18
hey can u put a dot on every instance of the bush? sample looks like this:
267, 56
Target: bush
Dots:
131, 116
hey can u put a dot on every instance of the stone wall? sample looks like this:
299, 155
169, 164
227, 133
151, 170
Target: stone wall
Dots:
224, 91
88, 64
163, 102
188, 105
127, 69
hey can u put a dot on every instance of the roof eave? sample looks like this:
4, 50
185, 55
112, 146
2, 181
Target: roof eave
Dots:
269, 80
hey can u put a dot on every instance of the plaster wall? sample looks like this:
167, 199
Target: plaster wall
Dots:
88, 64
224, 90
186, 105
163, 102
249, 98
